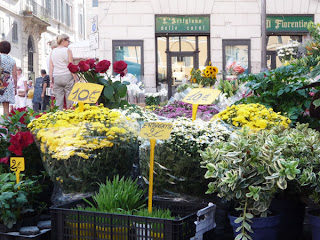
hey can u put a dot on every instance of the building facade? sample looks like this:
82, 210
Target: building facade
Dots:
29, 25
163, 40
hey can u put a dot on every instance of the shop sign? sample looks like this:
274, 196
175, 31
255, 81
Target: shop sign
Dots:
288, 23
185, 24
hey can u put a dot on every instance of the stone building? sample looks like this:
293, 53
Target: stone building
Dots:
163, 39
30, 24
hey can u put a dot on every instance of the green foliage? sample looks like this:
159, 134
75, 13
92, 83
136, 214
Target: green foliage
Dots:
279, 89
228, 87
120, 195
156, 213
151, 100
15, 199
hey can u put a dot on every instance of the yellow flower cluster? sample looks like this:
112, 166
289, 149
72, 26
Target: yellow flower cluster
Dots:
68, 133
207, 77
210, 71
255, 116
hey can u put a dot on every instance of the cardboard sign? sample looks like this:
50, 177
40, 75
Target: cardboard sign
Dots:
85, 92
156, 130
17, 164
201, 96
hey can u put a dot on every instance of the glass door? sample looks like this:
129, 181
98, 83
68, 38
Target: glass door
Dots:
179, 72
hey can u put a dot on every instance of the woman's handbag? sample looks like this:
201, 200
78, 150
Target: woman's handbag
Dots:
4, 79
21, 93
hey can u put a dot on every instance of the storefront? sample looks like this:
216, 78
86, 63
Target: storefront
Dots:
283, 33
182, 43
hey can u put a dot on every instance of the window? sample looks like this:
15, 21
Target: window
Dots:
130, 51
2, 28
68, 15
55, 10
15, 32
80, 28
237, 51
94, 3
62, 6
48, 6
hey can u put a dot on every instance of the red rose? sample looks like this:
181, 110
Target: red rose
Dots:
119, 66
91, 62
102, 66
83, 66
73, 68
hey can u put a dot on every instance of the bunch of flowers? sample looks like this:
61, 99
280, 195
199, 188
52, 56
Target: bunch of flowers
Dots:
135, 112
206, 78
234, 68
255, 116
182, 109
177, 160
154, 98
289, 51
114, 92
98, 141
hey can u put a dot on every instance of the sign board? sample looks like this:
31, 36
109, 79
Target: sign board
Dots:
283, 23
94, 24
156, 130
186, 24
17, 164
94, 41
85, 92
201, 96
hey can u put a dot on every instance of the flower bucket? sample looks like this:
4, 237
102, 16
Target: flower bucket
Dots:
231, 77
266, 228
314, 220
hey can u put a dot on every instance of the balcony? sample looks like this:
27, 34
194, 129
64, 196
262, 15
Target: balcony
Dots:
37, 14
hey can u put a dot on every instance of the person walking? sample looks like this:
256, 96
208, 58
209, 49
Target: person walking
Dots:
45, 99
30, 94
60, 76
22, 89
38, 89
7, 95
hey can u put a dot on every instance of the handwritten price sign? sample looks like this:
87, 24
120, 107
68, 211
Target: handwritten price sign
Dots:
85, 92
156, 130
17, 165
201, 96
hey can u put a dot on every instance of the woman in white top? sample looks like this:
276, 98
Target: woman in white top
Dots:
22, 89
64, 80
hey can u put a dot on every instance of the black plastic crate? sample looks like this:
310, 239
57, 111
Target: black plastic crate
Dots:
43, 235
68, 224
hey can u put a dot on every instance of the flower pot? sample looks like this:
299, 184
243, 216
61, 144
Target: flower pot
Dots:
231, 77
265, 228
314, 220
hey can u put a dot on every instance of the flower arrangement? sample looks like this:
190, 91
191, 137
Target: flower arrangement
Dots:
154, 98
205, 78
99, 141
136, 112
177, 160
114, 92
182, 109
255, 116
234, 68
289, 51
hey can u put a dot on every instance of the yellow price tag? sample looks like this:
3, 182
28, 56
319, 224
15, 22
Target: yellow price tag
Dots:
156, 130
85, 92
201, 96
17, 165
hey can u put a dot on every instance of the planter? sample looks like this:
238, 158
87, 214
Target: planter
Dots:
231, 77
266, 228
314, 221
196, 218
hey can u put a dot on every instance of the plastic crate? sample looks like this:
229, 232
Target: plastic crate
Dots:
43, 235
69, 224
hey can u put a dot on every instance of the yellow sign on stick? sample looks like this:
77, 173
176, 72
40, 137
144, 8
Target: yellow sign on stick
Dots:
201, 96
85, 92
154, 131
17, 165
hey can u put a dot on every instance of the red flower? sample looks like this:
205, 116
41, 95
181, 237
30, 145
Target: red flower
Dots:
4, 160
119, 67
73, 68
83, 66
102, 66
91, 62
19, 141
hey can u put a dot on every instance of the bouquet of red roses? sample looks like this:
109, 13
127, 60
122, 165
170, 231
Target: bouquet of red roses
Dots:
235, 68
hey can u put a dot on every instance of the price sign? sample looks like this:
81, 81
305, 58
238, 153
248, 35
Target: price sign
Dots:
85, 92
201, 96
17, 165
154, 131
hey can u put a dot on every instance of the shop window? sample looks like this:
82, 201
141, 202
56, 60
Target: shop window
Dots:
203, 51
162, 58
188, 44
130, 51
95, 3
237, 50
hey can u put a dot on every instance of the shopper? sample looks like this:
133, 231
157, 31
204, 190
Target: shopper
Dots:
38, 88
60, 75
7, 96
30, 94
44, 97
22, 89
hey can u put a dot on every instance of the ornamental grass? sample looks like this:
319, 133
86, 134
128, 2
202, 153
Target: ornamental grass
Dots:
81, 149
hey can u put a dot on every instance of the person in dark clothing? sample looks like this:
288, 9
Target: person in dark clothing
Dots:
36, 100
45, 98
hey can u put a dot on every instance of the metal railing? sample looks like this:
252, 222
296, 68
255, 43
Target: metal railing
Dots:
38, 10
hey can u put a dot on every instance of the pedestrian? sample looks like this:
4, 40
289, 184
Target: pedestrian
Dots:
30, 94
38, 89
7, 95
22, 89
45, 99
60, 76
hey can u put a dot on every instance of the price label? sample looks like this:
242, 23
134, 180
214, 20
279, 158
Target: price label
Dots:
85, 92
17, 164
201, 96
156, 130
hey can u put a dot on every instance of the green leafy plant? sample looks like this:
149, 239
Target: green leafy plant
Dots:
156, 213
229, 87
